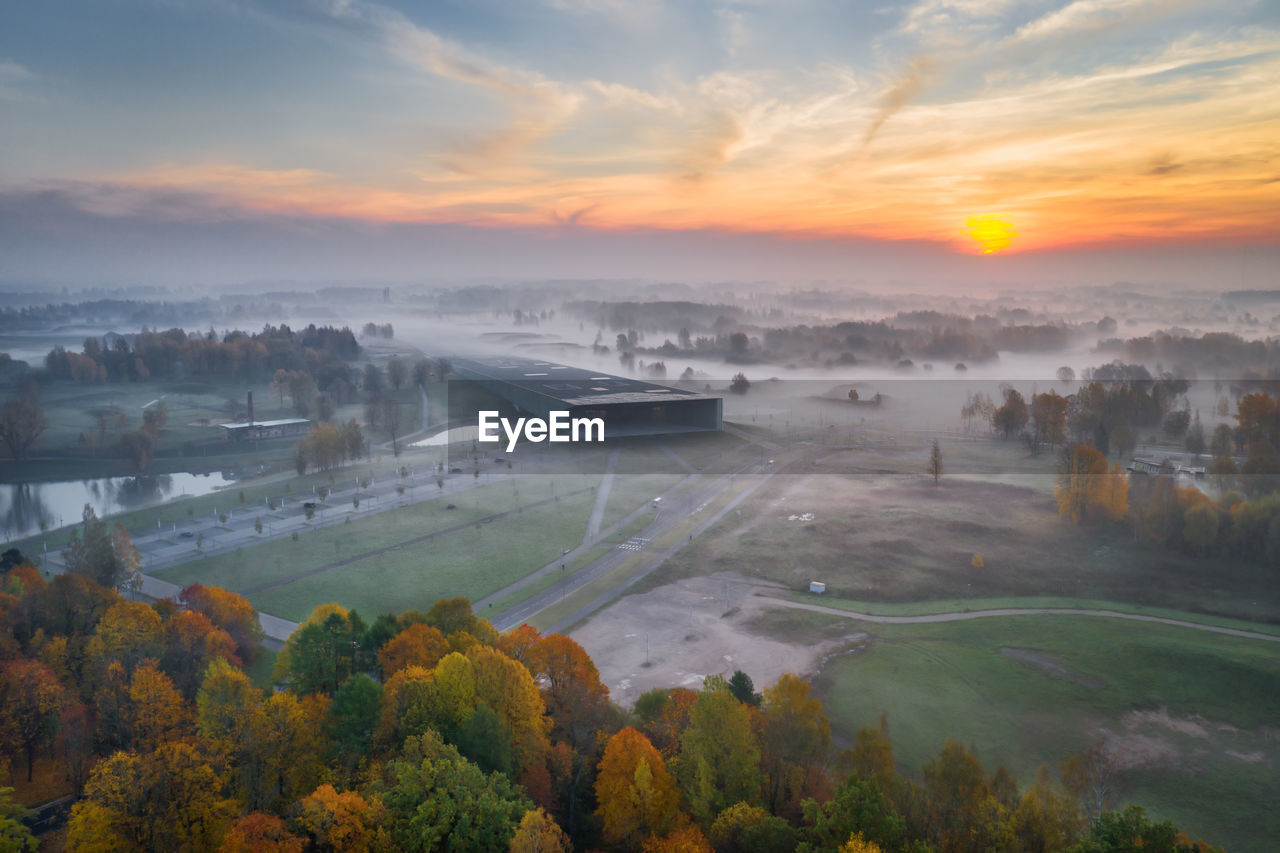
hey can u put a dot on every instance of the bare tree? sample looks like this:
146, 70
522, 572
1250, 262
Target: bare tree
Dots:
934, 468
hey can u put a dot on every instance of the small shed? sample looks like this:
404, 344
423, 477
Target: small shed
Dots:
817, 586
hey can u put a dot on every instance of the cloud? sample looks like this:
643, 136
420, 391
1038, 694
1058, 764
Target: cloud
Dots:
13, 78
919, 73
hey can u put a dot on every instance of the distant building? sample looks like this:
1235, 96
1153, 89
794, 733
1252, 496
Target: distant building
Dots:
1173, 467
627, 406
817, 586
259, 430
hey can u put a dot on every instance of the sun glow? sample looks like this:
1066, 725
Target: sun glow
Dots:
992, 233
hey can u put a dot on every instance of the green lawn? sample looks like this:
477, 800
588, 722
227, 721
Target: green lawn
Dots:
952, 679
250, 568
470, 563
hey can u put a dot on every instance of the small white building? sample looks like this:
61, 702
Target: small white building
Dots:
817, 586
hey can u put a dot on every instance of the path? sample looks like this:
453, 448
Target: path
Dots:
961, 616
602, 498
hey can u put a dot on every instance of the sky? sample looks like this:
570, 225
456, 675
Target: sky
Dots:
945, 141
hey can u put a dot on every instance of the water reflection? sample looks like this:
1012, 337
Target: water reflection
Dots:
28, 508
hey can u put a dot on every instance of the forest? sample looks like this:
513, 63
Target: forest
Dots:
432, 731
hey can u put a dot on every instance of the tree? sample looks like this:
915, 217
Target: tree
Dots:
1131, 831
421, 372
168, 799
1195, 442
106, 556
128, 633
158, 712
1089, 489
1066, 374
1223, 442
1049, 415
1200, 527
372, 379
742, 688
154, 418
31, 704
397, 373
22, 422
687, 840
417, 645
191, 643
859, 805
636, 795
260, 833
509, 689
138, 446
796, 737
1090, 777
230, 612
934, 468
392, 421
719, 757
1010, 418
225, 705
354, 713
740, 384
857, 844
437, 800
15, 837
538, 833
343, 821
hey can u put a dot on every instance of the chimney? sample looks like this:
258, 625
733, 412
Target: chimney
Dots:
250, 407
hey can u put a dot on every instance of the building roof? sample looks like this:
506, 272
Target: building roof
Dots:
281, 422
572, 386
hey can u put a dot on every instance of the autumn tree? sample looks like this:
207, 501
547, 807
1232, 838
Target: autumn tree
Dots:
1090, 489
260, 833
128, 632
1049, 419
169, 799
341, 821
538, 833
191, 643
796, 738
509, 689
688, 839
232, 613
636, 795
719, 760
31, 704
418, 645
158, 712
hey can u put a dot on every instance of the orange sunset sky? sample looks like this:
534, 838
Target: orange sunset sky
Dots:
967, 127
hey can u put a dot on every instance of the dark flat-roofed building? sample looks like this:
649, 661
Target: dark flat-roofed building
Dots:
628, 406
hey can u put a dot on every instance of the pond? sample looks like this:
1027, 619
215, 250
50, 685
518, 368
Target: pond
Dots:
26, 508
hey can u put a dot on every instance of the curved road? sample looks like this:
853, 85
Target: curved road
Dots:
960, 616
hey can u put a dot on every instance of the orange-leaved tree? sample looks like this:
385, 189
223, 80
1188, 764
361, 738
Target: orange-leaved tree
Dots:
637, 796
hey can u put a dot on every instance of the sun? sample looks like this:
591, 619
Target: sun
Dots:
992, 233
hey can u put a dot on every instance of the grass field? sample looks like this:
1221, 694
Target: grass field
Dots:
1192, 714
884, 533
471, 562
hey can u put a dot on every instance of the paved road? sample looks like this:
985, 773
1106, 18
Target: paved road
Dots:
964, 615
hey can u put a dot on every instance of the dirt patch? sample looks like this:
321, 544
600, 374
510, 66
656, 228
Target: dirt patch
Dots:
1051, 666
1193, 726
677, 634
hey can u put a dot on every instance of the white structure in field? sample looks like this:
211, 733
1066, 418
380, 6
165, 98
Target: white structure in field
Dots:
817, 586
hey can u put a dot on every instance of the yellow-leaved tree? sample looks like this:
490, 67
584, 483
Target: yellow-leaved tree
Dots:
1089, 488
637, 796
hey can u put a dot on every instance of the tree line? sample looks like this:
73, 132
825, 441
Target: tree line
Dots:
432, 731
